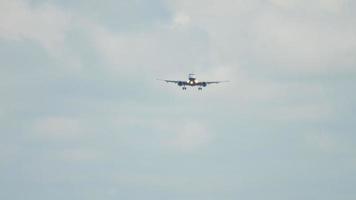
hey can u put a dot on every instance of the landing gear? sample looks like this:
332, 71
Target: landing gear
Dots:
200, 88
184, 88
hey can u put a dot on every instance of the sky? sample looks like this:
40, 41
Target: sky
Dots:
82, 115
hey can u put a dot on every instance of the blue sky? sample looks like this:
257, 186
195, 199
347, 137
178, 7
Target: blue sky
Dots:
83, 117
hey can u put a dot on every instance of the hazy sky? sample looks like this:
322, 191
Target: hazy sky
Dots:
83, 117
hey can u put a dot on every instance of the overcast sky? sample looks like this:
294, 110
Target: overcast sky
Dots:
82, 115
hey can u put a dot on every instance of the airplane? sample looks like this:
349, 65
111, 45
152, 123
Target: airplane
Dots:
192, 81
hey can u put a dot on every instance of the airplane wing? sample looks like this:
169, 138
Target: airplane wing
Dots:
173, 81
212, 82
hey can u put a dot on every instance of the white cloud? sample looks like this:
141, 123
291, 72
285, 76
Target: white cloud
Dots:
159, 49
181, 19
326, 142
242, 86
58, 128
330, 142
2, 114
189, 137
235, 32
44, 23
299, 113
299, 44
322, 141
175, 134
332, 6
273, 38
79, 155
268, 99
9, 152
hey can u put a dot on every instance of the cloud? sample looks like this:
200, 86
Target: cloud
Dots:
201, 36
323, 142
299, 113
174, 134
248, 89
332, 6
9, 152
136, 134
151, 50
58, 128
181, 19
298, 44
274, 40
80, 154
44, 23
190, 137
329, 142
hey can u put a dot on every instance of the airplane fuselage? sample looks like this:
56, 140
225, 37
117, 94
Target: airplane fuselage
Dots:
192, 81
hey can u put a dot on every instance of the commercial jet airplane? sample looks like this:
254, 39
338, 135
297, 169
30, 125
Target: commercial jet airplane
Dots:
192, 81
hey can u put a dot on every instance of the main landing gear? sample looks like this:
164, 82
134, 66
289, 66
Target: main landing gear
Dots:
199, 88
